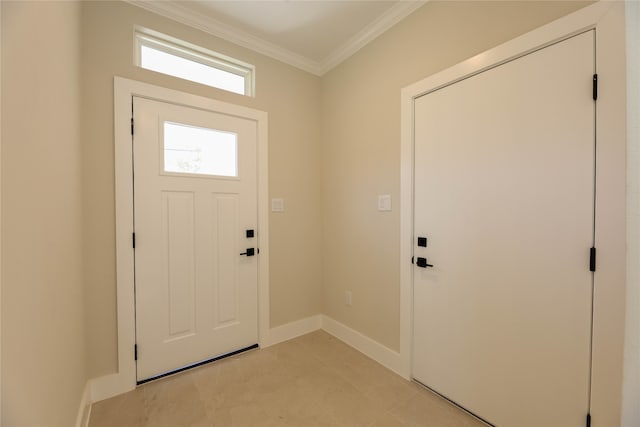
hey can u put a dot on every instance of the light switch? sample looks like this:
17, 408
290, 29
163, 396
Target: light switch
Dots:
384, 203
277, 205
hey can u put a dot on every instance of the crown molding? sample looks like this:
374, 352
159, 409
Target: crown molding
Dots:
384, 22
177, 12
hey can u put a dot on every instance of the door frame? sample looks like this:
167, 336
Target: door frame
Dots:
607, 18
124, 91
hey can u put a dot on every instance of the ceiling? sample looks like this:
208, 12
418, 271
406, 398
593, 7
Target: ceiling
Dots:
312, 35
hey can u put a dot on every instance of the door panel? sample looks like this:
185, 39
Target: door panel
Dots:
225, 213
195, 187
504, 193
179, 246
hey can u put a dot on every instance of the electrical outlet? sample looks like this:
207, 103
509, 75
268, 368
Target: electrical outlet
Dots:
348, 298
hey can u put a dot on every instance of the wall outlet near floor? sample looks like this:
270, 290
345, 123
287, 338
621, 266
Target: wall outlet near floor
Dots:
348, 300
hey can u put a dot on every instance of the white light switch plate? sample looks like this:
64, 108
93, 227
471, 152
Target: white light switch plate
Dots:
277, 205
384, 203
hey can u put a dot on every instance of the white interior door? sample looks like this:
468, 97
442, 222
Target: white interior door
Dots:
195, 197
504, 194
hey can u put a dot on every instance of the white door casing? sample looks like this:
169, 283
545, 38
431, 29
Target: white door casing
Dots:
607, 18
504, 193
196, 296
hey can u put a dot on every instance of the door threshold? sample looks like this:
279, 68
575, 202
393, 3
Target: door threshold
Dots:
195, 365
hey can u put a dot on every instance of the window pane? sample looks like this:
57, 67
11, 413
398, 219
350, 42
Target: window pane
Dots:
162, 62
195, 150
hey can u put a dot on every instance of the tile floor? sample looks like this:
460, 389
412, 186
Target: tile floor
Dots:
313, 380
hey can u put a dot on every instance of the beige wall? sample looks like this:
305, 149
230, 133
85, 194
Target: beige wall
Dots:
361, 145
43, 348
290, 96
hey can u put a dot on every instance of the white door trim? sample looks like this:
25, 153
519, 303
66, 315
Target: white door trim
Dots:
608, 20
124, 90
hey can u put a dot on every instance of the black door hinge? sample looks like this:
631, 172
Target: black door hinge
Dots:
131, 125
133, 238
412, 260
135, 352
595, 87
592, 259
588, 420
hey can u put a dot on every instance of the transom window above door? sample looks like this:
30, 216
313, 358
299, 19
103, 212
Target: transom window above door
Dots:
165, 54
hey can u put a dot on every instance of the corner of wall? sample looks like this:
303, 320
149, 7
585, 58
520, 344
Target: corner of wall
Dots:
291, 330
84, 409
388, 358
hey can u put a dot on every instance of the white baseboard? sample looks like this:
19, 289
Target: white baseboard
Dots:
84, 410
292, 330
109, 386
388, 358
114, 384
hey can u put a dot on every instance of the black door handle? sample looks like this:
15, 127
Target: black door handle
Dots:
422, 262
249, 252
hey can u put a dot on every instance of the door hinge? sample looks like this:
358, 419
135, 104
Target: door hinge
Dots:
592, 259
135, 352
412, 260
588, 420
133, 238
131, 125
595, 87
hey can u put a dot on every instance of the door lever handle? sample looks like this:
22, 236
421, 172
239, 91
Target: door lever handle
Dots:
249, 252
422, 262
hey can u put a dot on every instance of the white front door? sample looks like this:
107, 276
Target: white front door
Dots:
195, 201
504, 197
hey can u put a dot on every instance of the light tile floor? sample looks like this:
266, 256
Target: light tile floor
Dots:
313, 380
